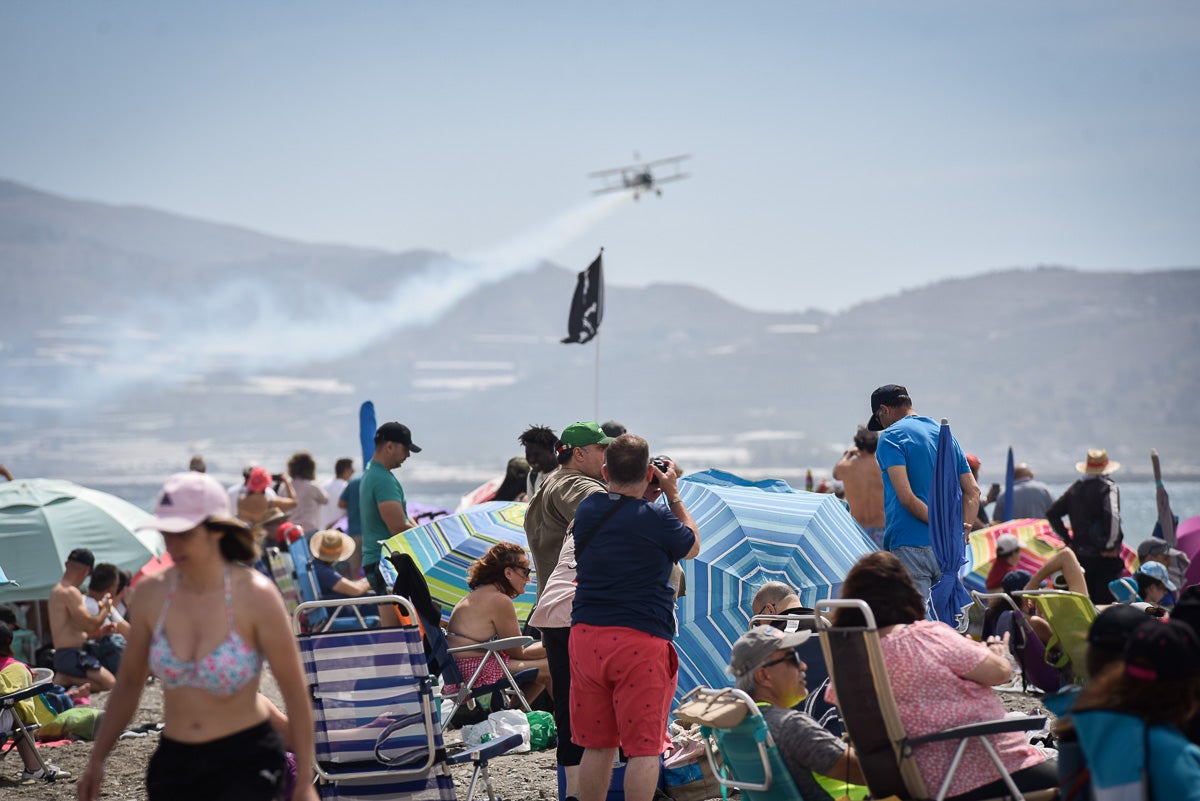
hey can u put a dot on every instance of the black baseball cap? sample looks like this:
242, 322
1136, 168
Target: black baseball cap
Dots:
396, 432
887, 395
83, 557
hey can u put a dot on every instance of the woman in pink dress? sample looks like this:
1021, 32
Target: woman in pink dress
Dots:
941, 679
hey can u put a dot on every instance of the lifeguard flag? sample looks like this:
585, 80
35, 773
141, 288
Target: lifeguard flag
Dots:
587, 306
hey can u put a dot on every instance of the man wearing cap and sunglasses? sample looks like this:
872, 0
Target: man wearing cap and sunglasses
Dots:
906, 452
766, 666
382, 507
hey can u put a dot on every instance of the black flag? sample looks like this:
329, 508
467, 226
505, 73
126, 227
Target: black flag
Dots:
587, 307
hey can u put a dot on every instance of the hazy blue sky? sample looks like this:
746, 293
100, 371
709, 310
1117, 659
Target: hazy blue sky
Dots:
841, 150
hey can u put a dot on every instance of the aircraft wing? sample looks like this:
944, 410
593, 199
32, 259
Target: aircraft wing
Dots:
613, 171
612, 189
668, 160
676, 177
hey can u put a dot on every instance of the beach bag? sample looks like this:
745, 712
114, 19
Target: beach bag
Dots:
80, 722
687, 774
512, 721
542, 731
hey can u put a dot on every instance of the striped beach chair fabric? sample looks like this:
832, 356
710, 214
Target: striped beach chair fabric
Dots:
284, 574
377, 733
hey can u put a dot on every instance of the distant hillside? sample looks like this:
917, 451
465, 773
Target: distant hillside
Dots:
110, 313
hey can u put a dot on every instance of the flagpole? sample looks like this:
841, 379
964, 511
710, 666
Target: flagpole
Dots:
597, 398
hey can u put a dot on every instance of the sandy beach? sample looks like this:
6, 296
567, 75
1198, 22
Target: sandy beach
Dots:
516, 777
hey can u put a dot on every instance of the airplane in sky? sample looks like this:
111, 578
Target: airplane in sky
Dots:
639, 177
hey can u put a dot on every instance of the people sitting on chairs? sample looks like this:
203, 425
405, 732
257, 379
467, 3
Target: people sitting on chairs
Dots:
487, 613
1128, 718
328, 548
1155, 586
14, 676
767, 667
941, 679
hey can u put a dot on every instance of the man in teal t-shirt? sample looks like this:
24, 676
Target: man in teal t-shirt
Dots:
381, 505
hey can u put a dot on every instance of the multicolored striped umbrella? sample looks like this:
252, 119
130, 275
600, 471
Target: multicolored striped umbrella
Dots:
1038, 544
752, 533
446, 547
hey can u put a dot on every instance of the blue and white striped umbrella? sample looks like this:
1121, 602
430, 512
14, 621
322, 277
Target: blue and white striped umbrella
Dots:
752, 533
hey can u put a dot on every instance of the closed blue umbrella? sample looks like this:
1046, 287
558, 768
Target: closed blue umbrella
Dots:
366, 431
1009, 479
752, 533
948, 596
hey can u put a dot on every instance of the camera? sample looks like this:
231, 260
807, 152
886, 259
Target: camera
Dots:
663, 463
277, 477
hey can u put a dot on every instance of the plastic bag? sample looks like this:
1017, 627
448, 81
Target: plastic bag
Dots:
511, 721
478, 733
542, 732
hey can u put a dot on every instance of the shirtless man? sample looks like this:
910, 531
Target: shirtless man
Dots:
70, 625
860, 475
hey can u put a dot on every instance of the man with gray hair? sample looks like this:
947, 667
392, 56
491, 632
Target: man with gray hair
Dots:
766, 666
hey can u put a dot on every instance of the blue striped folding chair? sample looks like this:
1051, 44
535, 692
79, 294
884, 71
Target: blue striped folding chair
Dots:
377, 734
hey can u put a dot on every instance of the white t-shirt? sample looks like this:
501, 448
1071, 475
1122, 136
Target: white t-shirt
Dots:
329, 512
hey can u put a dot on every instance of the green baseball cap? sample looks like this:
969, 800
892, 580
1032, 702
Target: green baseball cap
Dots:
579, 435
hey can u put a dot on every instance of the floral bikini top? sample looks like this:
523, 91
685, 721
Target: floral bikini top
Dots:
231, 666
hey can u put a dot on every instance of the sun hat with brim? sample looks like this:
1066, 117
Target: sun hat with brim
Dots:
331, 546
1159, 573
1098, 463
756, 646
189, 499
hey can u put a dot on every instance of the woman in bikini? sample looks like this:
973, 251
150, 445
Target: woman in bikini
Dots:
487, 613
203, 628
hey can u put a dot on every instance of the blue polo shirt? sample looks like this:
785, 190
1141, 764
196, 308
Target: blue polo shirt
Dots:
912, 442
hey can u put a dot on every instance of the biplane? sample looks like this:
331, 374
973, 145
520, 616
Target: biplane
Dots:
639, 178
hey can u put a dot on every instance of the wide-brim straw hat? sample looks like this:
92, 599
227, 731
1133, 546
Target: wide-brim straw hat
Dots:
1098, 463
331, 546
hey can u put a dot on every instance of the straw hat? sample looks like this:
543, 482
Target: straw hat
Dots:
1098, 463
331, 546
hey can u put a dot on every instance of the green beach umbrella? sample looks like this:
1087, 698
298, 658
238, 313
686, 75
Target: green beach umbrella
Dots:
42, 520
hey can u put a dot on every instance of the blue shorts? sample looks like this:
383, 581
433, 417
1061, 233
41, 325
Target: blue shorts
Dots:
75, 662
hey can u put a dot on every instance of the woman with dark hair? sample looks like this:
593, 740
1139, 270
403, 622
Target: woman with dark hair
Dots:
1128, 718
309, 495
941, 679
203, 627
487, 613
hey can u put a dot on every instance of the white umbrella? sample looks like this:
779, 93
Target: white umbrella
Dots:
42, 520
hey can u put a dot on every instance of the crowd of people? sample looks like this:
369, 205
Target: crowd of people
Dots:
605, 553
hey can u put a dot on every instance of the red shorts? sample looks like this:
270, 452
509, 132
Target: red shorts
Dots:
622, 685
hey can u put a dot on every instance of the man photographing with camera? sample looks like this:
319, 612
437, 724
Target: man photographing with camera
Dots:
623, 665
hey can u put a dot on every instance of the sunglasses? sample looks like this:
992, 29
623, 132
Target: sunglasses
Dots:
525, 571
791, 656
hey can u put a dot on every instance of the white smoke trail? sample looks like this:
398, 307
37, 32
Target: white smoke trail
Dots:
245, 326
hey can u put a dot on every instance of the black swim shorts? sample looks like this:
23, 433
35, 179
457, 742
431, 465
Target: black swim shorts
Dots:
248, 765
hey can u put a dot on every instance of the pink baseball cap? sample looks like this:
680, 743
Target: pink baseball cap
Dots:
189, 499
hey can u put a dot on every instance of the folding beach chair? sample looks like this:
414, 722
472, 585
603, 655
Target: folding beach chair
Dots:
18, 730
373, 709
1070, 616
283, 572
816, 673
732, 725
1026, 647
319, 618
408, 582
884, 749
